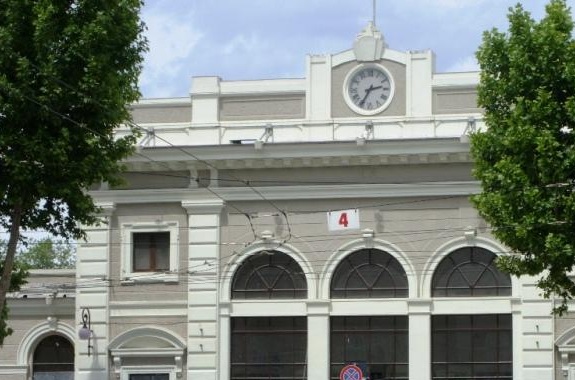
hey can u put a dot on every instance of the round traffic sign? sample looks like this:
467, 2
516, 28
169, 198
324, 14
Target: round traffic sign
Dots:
350, 372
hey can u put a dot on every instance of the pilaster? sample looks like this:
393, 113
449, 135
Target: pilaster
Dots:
318, 338
419, 339
92, 280
203, 274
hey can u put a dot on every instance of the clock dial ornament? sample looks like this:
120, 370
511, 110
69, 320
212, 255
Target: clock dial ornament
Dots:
368, 89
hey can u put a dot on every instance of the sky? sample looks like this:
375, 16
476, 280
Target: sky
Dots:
264, 39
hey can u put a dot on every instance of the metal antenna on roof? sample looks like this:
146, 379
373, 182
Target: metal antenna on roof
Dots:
374, 13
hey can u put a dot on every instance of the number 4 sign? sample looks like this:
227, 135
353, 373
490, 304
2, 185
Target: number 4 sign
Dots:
343, 220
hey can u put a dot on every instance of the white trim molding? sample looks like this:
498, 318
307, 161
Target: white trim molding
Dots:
462, 242
147, 342
127, 231
265, 244
52, 326
366, 242
566, 346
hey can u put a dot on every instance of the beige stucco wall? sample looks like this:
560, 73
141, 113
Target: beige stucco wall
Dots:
155, 180
350, 175
23, 325
455, 101
262, 108
162, 113
416, 226
176, 325
147, 213
340, 109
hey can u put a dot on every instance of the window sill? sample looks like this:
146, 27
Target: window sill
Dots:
150, 278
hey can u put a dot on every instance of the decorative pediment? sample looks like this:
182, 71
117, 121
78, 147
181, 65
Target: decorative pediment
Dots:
147, 342
566, 345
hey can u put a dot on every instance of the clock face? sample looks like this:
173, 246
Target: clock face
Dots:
368, 89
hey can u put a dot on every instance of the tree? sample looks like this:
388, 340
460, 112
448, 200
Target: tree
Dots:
68, 70
17, 279
525, 159
47, 253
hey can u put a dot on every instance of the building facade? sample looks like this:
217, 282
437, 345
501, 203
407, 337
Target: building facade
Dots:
311, 228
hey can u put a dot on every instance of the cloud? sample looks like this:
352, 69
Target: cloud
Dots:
242, 44
468, 63
172, 38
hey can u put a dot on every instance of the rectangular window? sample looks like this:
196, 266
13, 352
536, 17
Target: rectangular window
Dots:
378, 345
151, 251
472, 347
269, 348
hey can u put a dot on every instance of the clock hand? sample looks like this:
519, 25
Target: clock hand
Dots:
367, 91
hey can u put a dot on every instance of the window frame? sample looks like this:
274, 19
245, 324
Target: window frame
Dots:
148, 370
375, 326
128, 274
473, 331
385, 263
440, 287
247, 271
247, 334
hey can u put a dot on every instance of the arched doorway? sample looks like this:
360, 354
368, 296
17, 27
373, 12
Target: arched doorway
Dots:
53, 359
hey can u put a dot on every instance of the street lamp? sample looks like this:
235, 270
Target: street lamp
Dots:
85, 332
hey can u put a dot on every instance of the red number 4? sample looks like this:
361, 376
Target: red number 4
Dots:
343, 219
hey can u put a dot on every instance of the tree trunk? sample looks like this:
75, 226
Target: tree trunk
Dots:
16, 218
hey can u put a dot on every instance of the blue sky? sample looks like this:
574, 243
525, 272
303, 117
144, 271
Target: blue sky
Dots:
260, 39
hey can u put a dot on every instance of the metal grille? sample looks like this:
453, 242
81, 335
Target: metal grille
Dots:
470, 272
369, 273
271, 275
378, 345
268, 348
472, 347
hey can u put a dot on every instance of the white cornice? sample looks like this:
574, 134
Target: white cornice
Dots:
430, 189
302, 150
263, 87
463, 79
162, 102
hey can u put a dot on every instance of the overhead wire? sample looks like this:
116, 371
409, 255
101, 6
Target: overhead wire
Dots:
245, 182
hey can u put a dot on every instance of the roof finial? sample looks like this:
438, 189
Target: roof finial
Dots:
374, 13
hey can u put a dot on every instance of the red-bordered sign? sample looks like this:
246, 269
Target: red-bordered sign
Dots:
350, 372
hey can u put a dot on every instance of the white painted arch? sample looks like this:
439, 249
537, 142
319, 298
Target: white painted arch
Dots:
266, 245
452, 245
356, 245
51, 326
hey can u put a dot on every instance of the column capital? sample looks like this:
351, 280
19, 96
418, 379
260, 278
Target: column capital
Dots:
203, 207
106, 208
419, 306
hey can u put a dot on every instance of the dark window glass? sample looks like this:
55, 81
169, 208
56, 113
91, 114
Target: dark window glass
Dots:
471, 347
369, 273
53, 359
378, 345
149, 376
470, 271
269, 276
151, 251
268, 348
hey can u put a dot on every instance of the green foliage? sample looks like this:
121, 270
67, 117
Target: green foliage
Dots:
68, 72
17, 279
47, 253
525, 159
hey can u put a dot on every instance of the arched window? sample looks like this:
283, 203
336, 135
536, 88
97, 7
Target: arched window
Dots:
470, 271
471, 346
270, 275
369, 273
269, 347
53, 359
